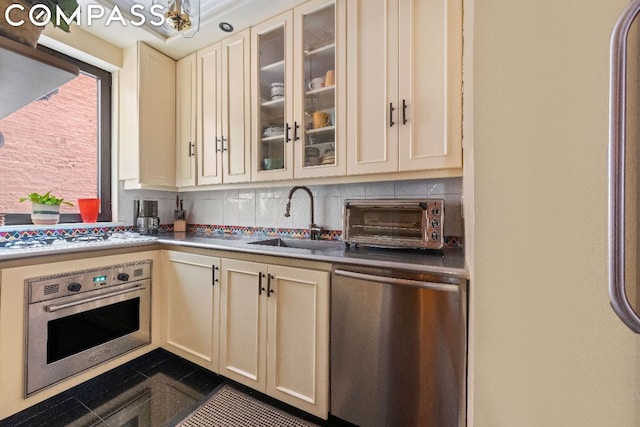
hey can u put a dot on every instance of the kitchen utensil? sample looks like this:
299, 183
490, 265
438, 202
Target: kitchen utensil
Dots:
316, 83
330, 78
320, 119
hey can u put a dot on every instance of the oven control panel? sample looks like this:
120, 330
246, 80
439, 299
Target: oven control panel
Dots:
59, 285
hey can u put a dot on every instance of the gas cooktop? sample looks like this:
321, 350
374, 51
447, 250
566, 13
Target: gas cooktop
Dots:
46, 244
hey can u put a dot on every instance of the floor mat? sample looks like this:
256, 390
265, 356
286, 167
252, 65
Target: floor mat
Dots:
232, 408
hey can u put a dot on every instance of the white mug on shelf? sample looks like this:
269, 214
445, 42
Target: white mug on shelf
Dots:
316, 83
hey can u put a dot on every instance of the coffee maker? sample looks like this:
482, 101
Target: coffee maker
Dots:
145, 216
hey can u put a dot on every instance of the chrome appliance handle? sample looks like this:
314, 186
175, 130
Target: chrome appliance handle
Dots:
57, 307
617, 146
396, 281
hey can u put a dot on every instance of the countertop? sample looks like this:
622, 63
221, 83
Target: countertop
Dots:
449, 262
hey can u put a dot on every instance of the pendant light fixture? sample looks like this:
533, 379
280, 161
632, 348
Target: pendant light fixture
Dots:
182, 15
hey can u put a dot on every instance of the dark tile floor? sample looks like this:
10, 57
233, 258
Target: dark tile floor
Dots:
155, 390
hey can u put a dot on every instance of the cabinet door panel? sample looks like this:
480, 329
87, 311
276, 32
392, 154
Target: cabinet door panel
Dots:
236, 112
320, 81
373, 86
430, 34
192, 309
209, 104
297, 363
243, 323
157, 109
186, 121
272, 98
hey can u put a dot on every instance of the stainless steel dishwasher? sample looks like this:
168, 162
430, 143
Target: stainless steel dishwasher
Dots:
398, 348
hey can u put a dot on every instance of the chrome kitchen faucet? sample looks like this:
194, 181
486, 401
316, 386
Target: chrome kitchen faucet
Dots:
314, 230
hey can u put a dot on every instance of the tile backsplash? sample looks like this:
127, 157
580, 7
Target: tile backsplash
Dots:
265, 207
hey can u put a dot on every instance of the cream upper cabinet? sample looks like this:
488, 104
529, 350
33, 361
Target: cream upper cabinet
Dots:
320, 81
274, 328
236, 112
223, 115
147, 119
209, 115
299, 72
192, 303
186, 121
404, 85
272, 91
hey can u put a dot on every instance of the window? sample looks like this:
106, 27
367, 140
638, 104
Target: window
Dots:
60, 143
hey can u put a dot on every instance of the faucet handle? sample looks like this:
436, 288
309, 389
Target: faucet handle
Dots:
314, 232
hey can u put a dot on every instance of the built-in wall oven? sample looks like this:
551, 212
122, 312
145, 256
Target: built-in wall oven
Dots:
80, 319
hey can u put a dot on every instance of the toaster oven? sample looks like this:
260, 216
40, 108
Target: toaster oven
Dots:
403, 223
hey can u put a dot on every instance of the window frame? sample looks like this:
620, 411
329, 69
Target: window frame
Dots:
104, 145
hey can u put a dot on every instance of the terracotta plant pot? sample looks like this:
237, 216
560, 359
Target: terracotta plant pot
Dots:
45, 214
27, 33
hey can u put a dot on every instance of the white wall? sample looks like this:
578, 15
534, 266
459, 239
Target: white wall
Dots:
548, 349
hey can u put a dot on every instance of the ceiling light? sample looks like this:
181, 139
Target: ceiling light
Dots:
182, 15
226, 27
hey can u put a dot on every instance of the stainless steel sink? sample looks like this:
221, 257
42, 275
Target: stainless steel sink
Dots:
317, 245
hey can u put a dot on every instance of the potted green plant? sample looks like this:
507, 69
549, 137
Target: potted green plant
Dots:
45, 208
27, 32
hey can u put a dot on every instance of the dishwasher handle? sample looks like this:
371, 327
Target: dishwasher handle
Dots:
445, 287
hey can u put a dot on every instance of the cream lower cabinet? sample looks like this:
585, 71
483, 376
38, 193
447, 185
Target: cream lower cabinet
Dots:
147, 119
405, 85
274, 331
192, 301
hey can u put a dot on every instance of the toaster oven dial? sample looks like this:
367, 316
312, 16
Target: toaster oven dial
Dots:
435, 223
435, 212
435, 236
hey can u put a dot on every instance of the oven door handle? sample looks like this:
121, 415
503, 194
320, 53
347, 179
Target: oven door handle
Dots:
57, 307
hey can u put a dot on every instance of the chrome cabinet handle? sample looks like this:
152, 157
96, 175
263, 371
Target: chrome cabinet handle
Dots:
617, 148
57, 307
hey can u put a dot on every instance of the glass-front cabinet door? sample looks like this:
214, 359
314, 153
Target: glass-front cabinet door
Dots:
272, 99
320, 70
